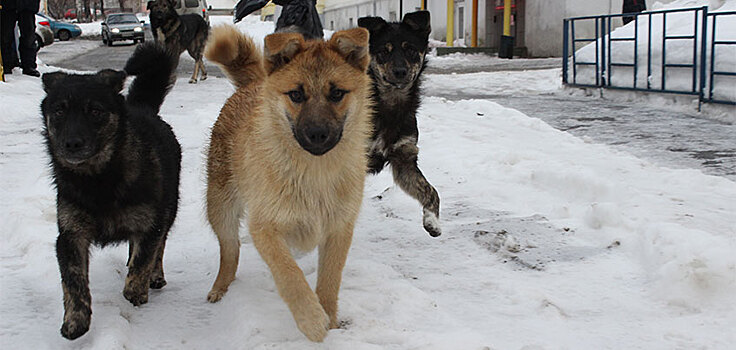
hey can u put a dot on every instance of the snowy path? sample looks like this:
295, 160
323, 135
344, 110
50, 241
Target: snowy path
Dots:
550, 242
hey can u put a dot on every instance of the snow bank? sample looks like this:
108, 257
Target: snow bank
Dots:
91, 29
677, 51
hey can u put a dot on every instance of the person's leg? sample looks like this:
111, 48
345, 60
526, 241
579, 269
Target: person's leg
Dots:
7, 39
26, 46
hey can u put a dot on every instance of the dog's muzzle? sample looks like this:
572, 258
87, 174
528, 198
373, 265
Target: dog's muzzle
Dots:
317, 139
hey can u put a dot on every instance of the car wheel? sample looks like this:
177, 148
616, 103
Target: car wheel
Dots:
109, 42
64, 35
38, 43
104, 39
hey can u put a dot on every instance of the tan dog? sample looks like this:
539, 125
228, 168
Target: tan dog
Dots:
290, 146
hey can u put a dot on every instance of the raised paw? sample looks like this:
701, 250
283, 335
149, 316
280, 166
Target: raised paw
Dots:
313, 321
432, 223
204, 77
75, 325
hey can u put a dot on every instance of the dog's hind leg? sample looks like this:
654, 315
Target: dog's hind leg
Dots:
203, 71
403, 159
193, 79
72, 252
223, 212
332, 255
145, 251
304, 304
157, 280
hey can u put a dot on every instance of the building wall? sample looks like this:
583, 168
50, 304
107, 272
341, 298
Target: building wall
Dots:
344, 14
538, 23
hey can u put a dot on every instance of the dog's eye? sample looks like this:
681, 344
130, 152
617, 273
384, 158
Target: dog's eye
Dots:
296, 96
336, 95
58, 112
96, 112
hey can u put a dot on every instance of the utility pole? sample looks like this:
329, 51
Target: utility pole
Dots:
507, 41
450, 22
401, 9
474, 30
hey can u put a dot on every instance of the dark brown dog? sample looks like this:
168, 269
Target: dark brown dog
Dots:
180, 33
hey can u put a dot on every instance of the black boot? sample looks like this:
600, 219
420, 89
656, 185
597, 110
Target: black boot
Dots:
31, 71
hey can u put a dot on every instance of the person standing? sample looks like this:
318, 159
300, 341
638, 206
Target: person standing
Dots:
633, 6
22, 12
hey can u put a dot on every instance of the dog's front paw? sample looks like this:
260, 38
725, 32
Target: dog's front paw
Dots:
136, 296
313, 321
215, 295
432, 223
75, 325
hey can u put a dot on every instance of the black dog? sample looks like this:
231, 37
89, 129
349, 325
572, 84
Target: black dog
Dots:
180, 33
397, 61
115, 165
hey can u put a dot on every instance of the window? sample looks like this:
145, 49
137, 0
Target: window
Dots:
332, 25
392, 16
191, 3
351, 22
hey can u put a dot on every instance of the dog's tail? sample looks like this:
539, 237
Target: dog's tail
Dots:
236, 54
153, 66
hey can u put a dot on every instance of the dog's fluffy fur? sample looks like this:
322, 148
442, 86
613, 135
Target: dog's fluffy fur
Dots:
290, 147
115, 165
180, 33
397, 61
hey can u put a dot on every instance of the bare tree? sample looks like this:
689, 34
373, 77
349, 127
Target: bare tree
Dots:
57, 8
86, 15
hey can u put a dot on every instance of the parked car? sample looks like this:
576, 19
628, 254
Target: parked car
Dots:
70, 14
199, 7
62, 30
122, 26
44, 34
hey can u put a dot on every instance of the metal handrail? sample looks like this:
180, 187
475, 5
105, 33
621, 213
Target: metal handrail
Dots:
603, 52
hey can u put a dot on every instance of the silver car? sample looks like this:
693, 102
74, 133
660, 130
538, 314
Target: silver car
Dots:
44, 34
122, 26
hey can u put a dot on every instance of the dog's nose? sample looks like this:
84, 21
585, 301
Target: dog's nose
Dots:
317, 134
400, 73
74, 144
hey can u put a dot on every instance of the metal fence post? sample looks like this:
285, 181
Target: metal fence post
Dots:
565, 38
703, 40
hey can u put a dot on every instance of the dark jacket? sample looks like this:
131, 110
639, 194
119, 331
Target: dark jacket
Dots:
634, 6
21, 5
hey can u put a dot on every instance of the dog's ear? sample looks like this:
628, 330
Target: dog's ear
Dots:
418, 22
51, 80
113, 78
373, 24
281, 48
148, 5
352, 45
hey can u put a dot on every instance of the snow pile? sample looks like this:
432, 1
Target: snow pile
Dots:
679, 51
91, 29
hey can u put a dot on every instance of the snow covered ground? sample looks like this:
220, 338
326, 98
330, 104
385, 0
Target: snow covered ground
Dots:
550, 242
